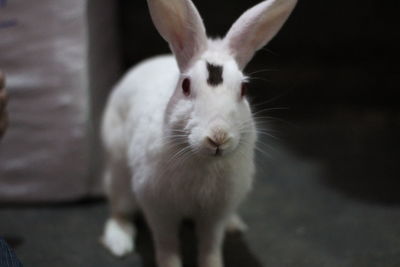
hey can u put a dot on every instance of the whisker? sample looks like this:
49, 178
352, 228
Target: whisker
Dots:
178, 158
177, 155
265, 110
254, 78
261, 71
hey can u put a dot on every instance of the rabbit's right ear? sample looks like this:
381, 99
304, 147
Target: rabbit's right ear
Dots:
180, 24
256, 27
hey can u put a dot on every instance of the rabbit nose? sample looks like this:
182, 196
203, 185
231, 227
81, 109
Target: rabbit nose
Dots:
217, 139
212, 143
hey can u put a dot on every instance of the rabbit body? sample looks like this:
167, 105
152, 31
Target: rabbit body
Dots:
178, 132
142, 172
134, 135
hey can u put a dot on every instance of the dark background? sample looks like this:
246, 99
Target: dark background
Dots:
328, 83
329, 53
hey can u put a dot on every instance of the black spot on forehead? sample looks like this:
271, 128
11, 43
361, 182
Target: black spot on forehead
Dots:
214, 74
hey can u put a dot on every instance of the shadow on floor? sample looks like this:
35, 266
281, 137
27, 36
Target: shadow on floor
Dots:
236, 250
360, 152
14, 241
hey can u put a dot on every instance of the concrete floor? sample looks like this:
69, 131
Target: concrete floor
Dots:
326, 196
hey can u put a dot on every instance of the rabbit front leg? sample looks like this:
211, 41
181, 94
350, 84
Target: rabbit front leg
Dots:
210, 234
165, 230
119, 231
235, 224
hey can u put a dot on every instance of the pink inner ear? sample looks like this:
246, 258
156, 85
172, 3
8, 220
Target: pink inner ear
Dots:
179, 41
256, 27
180, 24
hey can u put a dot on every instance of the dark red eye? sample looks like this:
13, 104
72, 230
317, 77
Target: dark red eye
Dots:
243, 91
186, 87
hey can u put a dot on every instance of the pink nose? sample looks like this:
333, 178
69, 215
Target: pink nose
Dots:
213, 143
217, 139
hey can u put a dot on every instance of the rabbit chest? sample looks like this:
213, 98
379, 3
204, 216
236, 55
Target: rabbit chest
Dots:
191, 187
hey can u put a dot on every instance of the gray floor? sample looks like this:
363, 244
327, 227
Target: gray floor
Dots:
327, 194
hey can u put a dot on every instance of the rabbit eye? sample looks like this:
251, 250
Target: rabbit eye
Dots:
243, 90
186, 87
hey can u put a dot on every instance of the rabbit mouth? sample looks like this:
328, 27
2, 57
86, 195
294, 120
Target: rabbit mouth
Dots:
218, 152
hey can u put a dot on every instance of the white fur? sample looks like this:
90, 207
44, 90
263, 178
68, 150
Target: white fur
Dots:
159, 157
118, 237
256, 27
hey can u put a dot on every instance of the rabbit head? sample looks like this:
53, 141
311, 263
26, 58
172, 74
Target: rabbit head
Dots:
208, 109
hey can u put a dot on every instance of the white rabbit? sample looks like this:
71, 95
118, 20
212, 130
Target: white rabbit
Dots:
179, 134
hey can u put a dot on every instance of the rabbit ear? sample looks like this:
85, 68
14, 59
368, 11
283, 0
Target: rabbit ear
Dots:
180, 24
256, 27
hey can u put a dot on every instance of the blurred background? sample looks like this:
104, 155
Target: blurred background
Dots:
327, 190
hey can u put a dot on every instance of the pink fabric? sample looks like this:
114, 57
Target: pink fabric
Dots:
3, 103
44, 155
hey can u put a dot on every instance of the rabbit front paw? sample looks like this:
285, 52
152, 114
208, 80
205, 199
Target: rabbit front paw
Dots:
235, 224
118, 237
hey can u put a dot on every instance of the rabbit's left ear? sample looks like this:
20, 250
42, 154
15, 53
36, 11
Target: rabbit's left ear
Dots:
256, 27
180, 24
